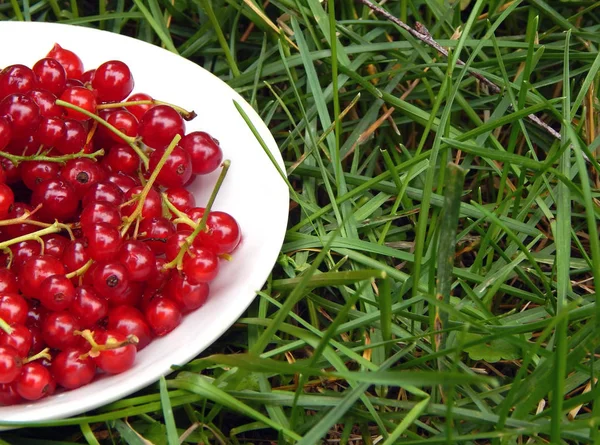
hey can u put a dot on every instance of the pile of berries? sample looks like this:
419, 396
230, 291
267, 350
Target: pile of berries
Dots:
102, 247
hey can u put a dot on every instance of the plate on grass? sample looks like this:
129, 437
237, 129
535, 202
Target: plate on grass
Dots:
253, 192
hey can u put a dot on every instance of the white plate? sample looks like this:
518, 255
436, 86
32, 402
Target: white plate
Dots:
253, 192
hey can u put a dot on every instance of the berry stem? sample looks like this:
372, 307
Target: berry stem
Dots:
17, 159
5, 326
111, 343
178, 261
80, 271
185, 114
181, 217
54, 228
44, 353
142, 197
131, 141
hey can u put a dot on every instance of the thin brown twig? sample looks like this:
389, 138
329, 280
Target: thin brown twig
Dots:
421, 33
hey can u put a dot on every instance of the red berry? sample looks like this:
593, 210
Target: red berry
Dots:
117, 360
58, 330
35, 270
73, 368
130, 321
75, 255
73, 139
189, 296
68, 59
35, 382
100, 212
54, 245
103, 192
138, 259
51, 75
159, 125
58, 199
103, 241
155, 232
88, 307
138, 110
200, 265
10, 364
8, 394
51, 131
81, 97
122, 158
16, 79
223, 234
82, 173
7, 199
23, 114
19, 339
110, 280
5, 132
204, 150
152, 206
112, 81
35, 172
176, 170
163, 315
46, 102
57, 293
13, 307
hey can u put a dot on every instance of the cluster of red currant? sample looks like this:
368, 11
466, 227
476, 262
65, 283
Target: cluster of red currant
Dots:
102, 247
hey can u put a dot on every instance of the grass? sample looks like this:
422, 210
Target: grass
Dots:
437, 284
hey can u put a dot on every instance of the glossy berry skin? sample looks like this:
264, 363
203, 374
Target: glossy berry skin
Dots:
19, 339
138, 110
223, 234
123, 121
159, 125
87, 77
23, 114
89, 308
58, 330
81, 97
14, 230
103, 192
9, 395
138, 259
57, 293
181, 198
112, 81
177, 169
123, 181
51, 75
35, 270
72, 368
100, 212
8, 283
75, 255
122, 158
7, 199
69, 60
155, 232
5, 132
163, 315
16, 79
54, 245
130, 321
46, 102
73, 139
103, 241
35, 382
175, 243
152, 206
35, 172
204, 150
200, 265
114, 361
10, 364
189, 296
22, 251
50, 131
82, 173
13, 308
110, 280
58, 198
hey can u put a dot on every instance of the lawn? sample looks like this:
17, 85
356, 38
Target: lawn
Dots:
437, 283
